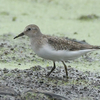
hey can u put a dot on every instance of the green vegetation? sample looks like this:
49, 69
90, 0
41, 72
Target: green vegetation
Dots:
54, 17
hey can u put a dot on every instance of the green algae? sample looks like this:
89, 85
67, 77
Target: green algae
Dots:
61, 21
88, 17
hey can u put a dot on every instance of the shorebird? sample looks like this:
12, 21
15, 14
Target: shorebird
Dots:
55, 48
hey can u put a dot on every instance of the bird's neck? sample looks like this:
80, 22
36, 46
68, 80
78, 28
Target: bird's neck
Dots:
36, 42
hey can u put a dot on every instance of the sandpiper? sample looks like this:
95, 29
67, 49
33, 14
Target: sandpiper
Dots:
55, 48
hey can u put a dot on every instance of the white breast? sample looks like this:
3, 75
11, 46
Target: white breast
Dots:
47, 52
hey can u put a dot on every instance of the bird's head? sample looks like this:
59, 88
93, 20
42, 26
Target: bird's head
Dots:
31, 31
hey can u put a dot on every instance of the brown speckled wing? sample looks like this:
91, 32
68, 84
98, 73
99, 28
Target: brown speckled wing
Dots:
66, 44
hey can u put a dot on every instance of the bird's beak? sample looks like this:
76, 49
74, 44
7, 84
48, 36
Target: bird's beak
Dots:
21, 34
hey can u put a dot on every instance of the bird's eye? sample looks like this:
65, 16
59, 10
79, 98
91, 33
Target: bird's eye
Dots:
28, 29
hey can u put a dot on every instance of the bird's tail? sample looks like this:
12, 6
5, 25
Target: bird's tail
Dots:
96, 47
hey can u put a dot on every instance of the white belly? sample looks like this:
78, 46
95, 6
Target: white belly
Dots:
47, 52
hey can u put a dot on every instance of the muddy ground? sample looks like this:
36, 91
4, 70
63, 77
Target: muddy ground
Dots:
33, 84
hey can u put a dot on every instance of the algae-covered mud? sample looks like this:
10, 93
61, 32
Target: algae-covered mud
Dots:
32, 84
71, 19
25, 83
23, 73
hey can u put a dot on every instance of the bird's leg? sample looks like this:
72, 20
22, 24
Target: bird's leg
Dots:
65, 69
54, 66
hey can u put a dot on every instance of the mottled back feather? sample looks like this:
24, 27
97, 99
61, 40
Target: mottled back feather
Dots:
67, 44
